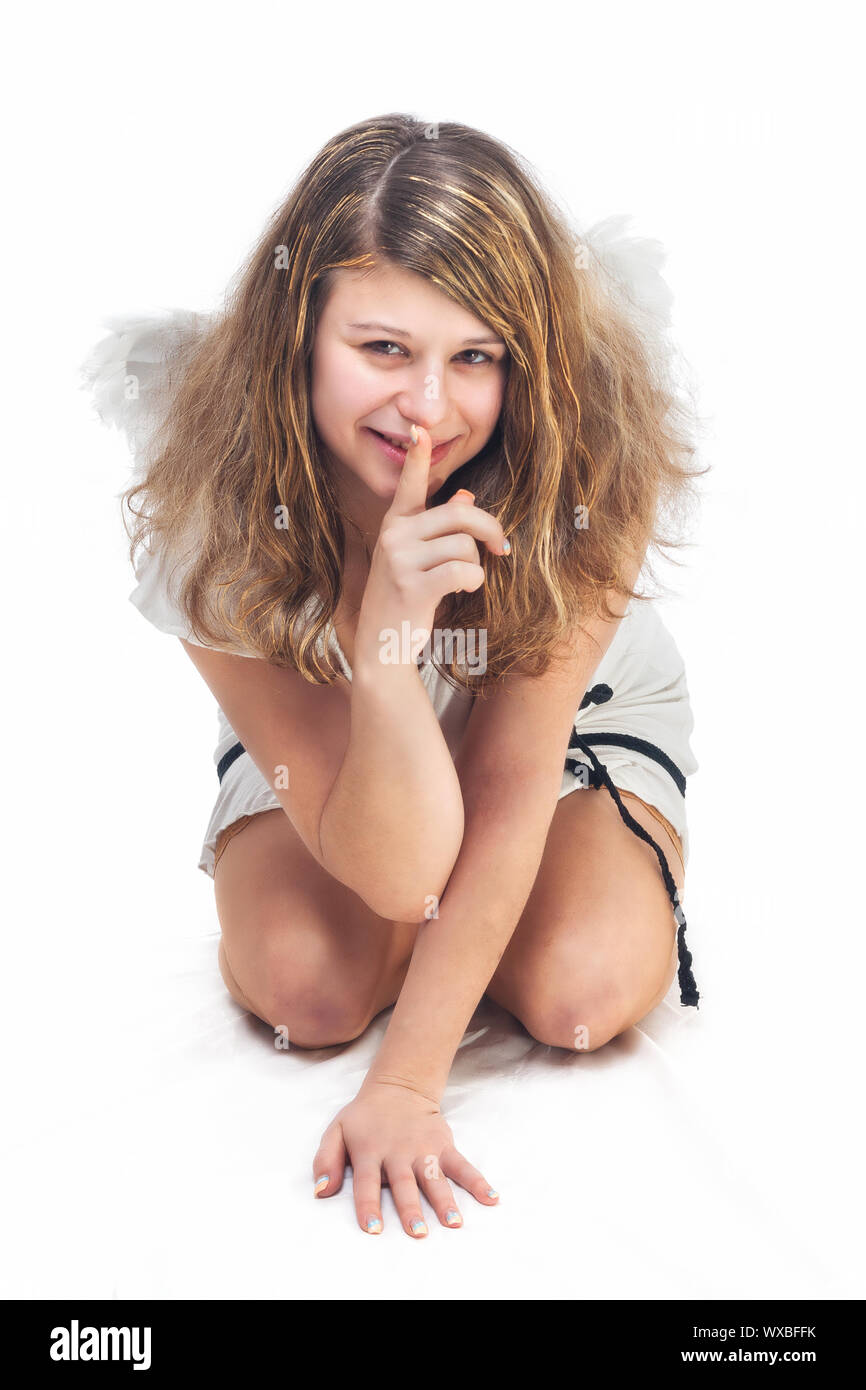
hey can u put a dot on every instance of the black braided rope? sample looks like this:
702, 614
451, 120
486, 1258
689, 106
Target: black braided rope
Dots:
689, 994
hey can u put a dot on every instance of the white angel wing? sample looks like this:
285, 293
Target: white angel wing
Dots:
129, 377
633, 267
128, 373
635, 263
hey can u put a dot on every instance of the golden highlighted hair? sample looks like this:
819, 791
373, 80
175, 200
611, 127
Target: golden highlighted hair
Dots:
590, 456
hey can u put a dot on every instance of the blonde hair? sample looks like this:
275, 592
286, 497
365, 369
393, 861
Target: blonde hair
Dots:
591, 454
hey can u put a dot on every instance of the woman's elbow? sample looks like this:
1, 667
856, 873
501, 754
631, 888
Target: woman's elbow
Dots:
401, 882
409, 893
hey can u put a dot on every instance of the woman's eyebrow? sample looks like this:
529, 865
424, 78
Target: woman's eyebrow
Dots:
403, 333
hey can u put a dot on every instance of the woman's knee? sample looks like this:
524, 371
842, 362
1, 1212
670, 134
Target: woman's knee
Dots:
582, 1021
298, 950
580, 999
305, 993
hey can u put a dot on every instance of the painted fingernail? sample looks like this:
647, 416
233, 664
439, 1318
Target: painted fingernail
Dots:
418, 1227
491, 1192
413, 434
374, 1225
452, 1217
506, 547
464, 492
321, 1183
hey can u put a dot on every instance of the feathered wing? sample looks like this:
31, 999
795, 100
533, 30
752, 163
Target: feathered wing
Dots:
128, 372
635, 262
129, 378
633, 266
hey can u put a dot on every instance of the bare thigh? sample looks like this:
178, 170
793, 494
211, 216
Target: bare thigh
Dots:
595, 949
298, 948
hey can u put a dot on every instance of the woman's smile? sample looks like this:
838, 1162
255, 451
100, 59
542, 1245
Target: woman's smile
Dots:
397, 453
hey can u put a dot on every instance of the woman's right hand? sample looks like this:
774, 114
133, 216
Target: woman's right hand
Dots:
421, 554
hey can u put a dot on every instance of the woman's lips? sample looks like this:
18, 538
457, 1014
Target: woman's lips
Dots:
396, 455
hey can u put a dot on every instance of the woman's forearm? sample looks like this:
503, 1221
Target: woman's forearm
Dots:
456, 954
392, 825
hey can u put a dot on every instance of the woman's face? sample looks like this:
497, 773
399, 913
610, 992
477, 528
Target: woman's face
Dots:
390, 350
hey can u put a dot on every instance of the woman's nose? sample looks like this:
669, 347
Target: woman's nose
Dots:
424, 402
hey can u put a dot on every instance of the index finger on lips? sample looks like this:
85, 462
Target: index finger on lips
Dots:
411, 494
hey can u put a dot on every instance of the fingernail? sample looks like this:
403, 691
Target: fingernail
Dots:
506, 547
374, 1225
491, 1192
321, 1183
418, 1227
452, 1217
464, 492
413, 434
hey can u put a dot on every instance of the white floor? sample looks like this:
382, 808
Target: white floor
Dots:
160, 1145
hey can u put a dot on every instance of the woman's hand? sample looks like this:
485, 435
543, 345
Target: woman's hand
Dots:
421, 555
390, 1127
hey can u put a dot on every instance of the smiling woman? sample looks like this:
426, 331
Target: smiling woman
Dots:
314, 480
368, 393
504, 333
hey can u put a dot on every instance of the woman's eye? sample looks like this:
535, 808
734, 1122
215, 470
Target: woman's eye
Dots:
470, 352
374, 346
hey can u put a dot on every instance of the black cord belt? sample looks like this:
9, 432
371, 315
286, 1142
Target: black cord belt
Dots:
598, 776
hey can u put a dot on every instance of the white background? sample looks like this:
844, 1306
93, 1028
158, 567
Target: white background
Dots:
155, 1143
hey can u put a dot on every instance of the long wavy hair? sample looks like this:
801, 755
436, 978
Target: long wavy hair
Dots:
591, 456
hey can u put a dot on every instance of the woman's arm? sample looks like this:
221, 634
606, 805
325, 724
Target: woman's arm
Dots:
392, 825
510, 768
394, 817
372, 754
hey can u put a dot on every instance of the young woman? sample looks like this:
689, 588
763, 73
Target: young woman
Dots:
394, 500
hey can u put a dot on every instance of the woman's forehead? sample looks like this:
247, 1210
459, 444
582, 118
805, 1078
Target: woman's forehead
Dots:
394, 300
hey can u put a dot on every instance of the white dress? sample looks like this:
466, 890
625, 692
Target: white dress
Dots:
633, 727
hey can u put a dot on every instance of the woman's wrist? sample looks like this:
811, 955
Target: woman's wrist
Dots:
411, 1054
377, 656
371, 672
379, 1078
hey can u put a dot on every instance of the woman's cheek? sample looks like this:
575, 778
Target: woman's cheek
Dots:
486, 412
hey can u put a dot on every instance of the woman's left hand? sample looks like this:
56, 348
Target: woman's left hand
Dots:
390, 1127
